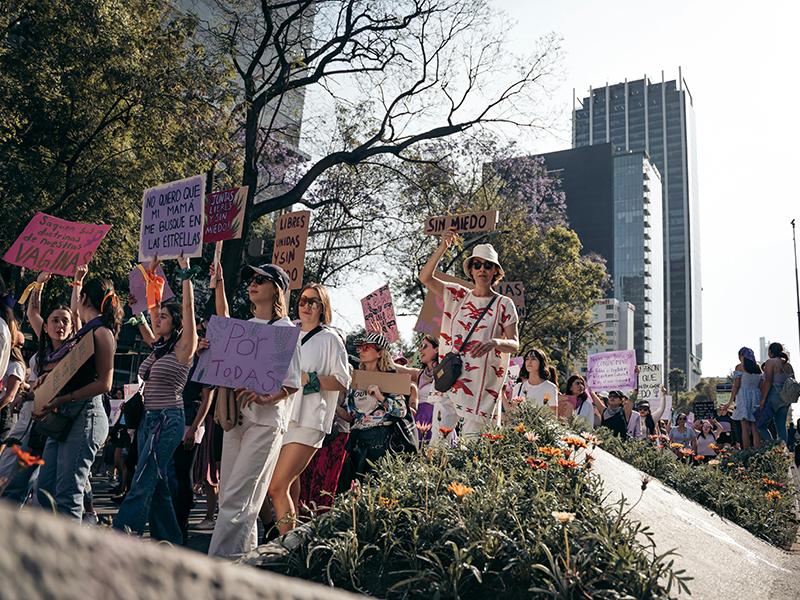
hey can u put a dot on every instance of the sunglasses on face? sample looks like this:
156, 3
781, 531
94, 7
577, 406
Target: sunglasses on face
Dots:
312, 302
260, 279
644, 410
682, 419
476, 264
365, 347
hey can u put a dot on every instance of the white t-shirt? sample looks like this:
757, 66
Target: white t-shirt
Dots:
536, 393
14, 369
277, 415
324, 354
586, 411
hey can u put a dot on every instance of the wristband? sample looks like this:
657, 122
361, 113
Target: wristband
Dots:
76, 284
34, 286
313, 385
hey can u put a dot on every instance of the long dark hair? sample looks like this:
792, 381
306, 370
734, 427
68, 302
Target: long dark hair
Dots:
544, 371
572, 379
45, 343
95, 292
750, 366
553, 375
777, 351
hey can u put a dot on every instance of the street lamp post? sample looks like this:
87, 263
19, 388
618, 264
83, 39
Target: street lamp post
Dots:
569, 338
796, 280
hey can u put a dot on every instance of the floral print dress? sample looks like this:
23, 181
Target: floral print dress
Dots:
476, 393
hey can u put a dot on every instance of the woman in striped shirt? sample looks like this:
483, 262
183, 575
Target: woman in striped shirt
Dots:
162, 427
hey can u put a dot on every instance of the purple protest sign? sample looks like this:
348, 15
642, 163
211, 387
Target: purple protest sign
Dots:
138, 288
172, 219
246, 354
612, 371
378, 307
55, 245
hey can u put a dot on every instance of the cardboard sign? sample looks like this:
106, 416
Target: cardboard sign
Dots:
650, 382
138, 288
172, 219
704, 410
388, 383
64, 371
479, 221
378, 308
246, 354
723, 399
565, 409
289, 252
514, 290
224, 215
612, 371
429, 321
55, 245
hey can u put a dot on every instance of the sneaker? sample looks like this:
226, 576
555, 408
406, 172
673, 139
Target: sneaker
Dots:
205, 525
89, 519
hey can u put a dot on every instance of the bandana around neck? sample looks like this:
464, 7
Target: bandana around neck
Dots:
56, 355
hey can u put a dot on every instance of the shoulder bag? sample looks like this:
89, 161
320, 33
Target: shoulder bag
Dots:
448, 370
791, 388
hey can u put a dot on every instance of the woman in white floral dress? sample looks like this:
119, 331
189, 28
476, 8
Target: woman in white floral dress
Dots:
476, 394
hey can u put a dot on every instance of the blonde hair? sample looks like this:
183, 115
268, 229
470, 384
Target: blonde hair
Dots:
326, 314
385, 362
279, 309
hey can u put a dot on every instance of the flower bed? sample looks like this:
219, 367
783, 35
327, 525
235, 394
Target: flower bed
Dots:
506, 515
750, 487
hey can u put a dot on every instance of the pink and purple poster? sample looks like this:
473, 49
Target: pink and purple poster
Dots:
172, 219
378, 308
246, 354
138, 288
612, 371
55, 245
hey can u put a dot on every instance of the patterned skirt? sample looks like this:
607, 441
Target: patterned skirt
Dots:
322, 475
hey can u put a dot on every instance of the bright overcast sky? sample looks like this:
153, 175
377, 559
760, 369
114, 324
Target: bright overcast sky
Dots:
739, 61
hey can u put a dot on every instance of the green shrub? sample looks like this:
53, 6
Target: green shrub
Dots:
412, 532
749, 487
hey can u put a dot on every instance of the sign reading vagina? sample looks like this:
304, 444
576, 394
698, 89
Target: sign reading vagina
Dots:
378, 307
246, 354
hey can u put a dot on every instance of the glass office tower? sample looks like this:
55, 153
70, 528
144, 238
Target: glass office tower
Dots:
658, 118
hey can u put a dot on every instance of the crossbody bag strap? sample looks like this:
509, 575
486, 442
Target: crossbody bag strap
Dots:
483, 314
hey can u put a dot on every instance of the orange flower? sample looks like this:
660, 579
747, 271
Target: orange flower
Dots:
574, 442
676, 446
535, 463
714, 447
551, 452
779, 450
25, 459
520, 428
459, 490
773, 496
699, 457
567, 464
387, 502
730, 464
493, 437
445, 431
686, 451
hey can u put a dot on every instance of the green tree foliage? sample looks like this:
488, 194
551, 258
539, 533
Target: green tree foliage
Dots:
676, 379
100, 99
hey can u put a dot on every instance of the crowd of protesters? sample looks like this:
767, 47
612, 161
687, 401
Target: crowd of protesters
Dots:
283, 456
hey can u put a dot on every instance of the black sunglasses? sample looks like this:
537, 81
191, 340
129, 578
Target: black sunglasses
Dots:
476, 264
260, 279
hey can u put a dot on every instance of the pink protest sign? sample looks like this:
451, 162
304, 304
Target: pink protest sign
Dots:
246, 354
612, 371
224, 215
138, 288
172, 219
55, 245
378, 308
429, 321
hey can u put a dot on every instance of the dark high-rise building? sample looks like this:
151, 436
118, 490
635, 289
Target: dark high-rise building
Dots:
658, 118
613, 201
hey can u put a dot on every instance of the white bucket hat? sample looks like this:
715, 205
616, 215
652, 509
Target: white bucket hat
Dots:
486, 252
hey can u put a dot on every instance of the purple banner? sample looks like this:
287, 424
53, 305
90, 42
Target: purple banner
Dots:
246, 354
138, 288
612, 371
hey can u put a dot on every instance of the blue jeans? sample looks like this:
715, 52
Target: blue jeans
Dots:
781, 413
67, 464
160, 433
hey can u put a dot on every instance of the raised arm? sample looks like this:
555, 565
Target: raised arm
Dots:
220, 298
77, 283
34, 309
187, 344
661, 407
426, 275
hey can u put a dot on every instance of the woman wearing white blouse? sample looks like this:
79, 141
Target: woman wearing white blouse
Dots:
325, 373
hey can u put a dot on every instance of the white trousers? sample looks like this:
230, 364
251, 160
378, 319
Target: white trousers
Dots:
450, 418
249, 455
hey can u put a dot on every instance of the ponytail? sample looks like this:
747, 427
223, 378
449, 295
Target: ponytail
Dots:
100, 294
